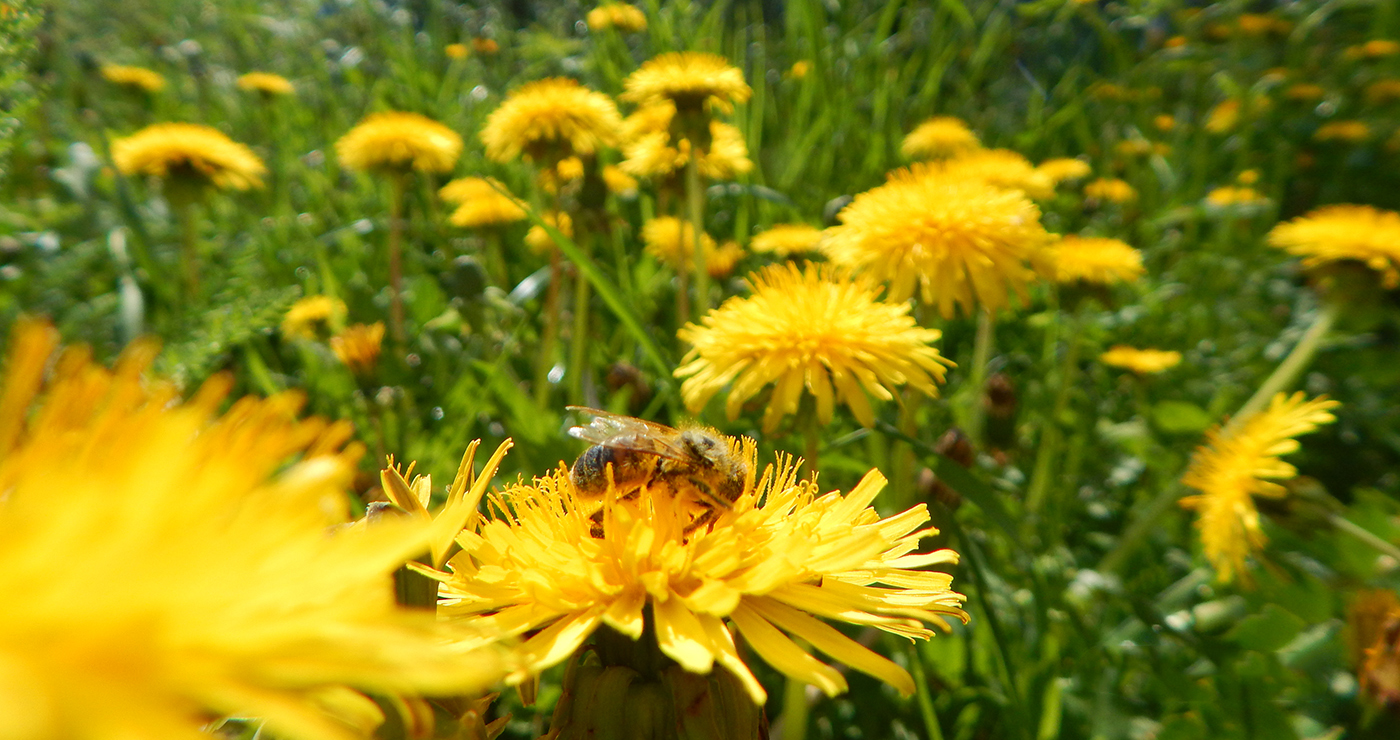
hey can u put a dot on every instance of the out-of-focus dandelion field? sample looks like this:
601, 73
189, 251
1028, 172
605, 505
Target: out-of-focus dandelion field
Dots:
934, 238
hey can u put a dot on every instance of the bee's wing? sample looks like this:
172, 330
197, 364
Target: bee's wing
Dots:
628, 433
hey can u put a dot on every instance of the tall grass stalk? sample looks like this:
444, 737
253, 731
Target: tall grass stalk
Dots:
398, 183
695, 207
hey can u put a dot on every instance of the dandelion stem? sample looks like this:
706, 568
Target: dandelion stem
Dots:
1287, 372
545, 360
578, 346
981, 353
811, 442
794, 717
1355, 530
916, 665
1051, 438
396, 197
695, 204
189, 248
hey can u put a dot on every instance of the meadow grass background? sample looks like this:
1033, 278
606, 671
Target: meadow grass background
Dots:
1077, 630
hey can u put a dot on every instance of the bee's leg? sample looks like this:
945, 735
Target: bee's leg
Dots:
707, 492
704, 520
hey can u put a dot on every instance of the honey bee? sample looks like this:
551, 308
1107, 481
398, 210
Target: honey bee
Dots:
695, 463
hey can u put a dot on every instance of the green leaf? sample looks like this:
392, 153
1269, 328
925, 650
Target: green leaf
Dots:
1270, 629
1181, 417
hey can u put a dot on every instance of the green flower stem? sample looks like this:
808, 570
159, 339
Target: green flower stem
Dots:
795, 708
981, 353
1287, 372
1282, 378
695, 204
544, 362
578, 343
1346, 525
1050, 440
916, 666
189, 249
397, 185
811, 441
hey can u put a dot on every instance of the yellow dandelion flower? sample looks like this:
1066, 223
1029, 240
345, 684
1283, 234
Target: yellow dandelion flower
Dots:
814, 329
551, 119
1373, 622
313, 315
672, 242
1164, 123
1096, 260
1134, 147
654, 155
399, 141
721, 262
188, 151
1229, 195
485, 46
1141, 361
1109, 189
1351, 131
619, 182
1175, 42
690, 79
1383, 91
1254, 24
1002, 168
621, 16
539, 241
940, 136
1223, 117
1063, 169
960, 242
481, 202
266, 83
648, 119
137, 77
779, 558
456, 51
358, 346
1305, 92
787, 239
1345, 232
799, 69
1247, 177
1376, 48
1242, 462
225, 587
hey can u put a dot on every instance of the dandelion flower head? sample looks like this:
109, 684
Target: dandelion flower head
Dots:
722, 261
787, 239
456, 51
312, 315
1383, 91
1063, 169
1352, 131
481, 202
1223, 117
814, 330
1141, 361
551, 119
539, 241
619, 182
655, 155
940, 136
960, 242
265, 83
779, 558
179, 565
1230, 195
1096, 260
672, 242
1001, 168
1110, 189
395, 140
1305, 92
189, 150
690, 79
138, 77
357, 347
1345, 232
620, 16
1241, 462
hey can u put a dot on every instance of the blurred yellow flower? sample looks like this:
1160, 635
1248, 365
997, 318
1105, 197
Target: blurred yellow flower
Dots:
1133, 147
1373, 621
721, 262
313, 315
938, 137
1352, 131
786, 240
1254, 24
672, 242
1383, 91
1223, 117
1345, 232
265, 83
190, 151
1238, 463
1112, 190
399, 141
621, 16
1063, 169
816, 329
539, 241
225, 587
654, 155
781, 556
690, 79
799, 69
1229, 195
357, 347
1247, 177
1141, 361
1175, 42
1305, 92
137, 77
456, 51
619, 182
962, 243
485, 46
1001, 168
1164, 123
549, 120
1380, 48
1096, 260
479, 204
